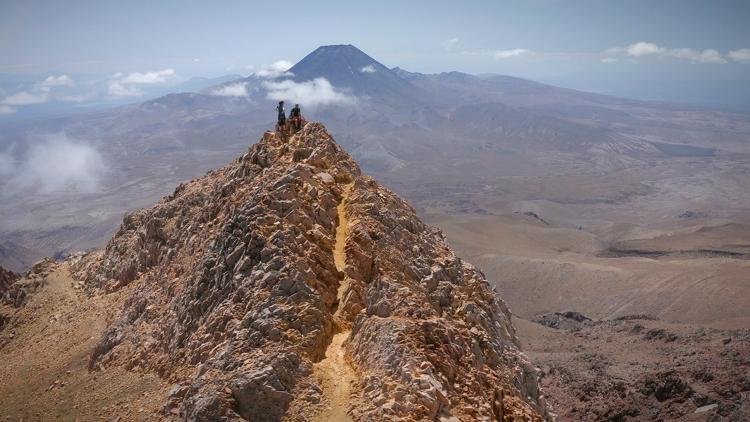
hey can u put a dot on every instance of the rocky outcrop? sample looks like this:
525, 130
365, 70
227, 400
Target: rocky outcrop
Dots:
240, 284
14, 290
6, 279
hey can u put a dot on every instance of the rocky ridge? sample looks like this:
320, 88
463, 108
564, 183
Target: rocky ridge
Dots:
6, 279
248, 281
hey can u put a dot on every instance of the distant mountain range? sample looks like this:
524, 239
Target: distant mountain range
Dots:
85, 94
448, 135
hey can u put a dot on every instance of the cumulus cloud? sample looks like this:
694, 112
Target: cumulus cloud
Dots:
116, 88
641, 49
451, 44
126, 85
704, 56
507, 54
40, 93
310, 93
25, 98
62, 80
232, 90
275, 70
645, 49
54, 163
155, 77
500, 54
741, 55
368, 69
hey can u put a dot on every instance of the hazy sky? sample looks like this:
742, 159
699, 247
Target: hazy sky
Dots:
674, 50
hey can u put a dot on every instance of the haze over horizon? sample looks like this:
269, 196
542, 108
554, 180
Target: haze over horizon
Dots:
444, 231
676, 51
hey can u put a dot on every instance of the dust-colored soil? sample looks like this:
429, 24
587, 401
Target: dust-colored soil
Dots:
691, 364
641, 370
337, 379
336, 375
45, 353
540, 268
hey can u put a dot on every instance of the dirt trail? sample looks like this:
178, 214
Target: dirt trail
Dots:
44, 370
336, 375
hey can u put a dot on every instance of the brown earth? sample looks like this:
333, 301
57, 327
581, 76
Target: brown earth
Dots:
641, 370
686, 358
45, 352
336, 375
539, 268
283, 286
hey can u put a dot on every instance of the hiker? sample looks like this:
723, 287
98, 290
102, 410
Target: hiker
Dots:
296, 117
281, 123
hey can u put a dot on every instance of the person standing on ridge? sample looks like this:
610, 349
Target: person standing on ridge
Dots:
281, 123
296, 117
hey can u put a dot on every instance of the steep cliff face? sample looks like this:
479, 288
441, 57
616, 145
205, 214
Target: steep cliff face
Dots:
287, 285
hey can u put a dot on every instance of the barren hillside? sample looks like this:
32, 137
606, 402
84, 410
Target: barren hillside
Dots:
283, 286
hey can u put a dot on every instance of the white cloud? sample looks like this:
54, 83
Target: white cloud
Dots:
705, 56
55, 163
40, 93
507, 54
368, 69
62, 80
232, 90
196, 60
275, 70
155, 77
741, 55
640, 49
122, 85
25, 98
609, 60
451, 44
310, 93
118, 89
644, 49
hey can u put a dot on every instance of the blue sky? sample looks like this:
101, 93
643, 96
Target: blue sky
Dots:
685, 51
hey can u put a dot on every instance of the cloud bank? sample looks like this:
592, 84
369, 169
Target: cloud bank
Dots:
54, 163
62, 80
312, 93
741, 55
644, 49
275, 70
232, 90
122, 85
25, 98
500, 54
507, 54
40, 93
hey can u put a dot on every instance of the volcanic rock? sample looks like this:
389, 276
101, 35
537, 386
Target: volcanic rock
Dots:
253, 284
